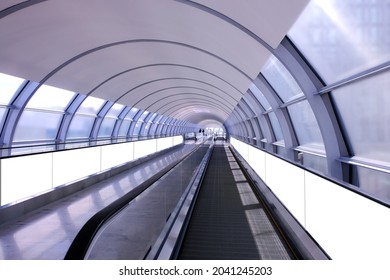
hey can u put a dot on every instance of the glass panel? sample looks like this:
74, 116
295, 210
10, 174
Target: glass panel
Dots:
2, 113
130, 115
37, 126
153, 116
281, 80
91, 105
115, 110
143, 116
153, 129
106, 127
276, 126
145, 129
8, 86
305, 124
260, 96
137, 128
124, 129
374, 182
341, 38
80, 127
50, 98
315, 162
364, 110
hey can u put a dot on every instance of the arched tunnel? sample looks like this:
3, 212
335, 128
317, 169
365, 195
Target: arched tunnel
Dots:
295, 93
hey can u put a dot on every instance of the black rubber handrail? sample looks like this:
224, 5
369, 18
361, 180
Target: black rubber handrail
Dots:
80, 245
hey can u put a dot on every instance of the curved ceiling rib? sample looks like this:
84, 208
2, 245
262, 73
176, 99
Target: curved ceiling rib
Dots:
192, 94
194, 115
109, 45
18, 7
162, 64
146, 55
175, 107
189, 101
185, 97
146, 96
171, 78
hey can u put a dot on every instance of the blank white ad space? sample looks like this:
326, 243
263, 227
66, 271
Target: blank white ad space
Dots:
113, 155
72, 165
288, 184
25, 176
347, 225
144, 148
164, 143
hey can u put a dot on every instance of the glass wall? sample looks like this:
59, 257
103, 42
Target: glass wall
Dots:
348, 44
43, 114
342, 38
108, 123
83, 120
8, 87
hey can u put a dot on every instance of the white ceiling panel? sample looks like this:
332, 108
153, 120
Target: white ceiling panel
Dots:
124, 50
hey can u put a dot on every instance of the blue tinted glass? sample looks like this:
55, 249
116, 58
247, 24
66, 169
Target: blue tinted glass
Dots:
8, 87
80, 127
106, 127
50, 98
281, 80
37, 126
91, 105
260, 96
124, 128
115, 110
305, 124
276, 126
342, 38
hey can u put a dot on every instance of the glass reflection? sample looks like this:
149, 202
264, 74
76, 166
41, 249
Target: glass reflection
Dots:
8, 86
364, 111
342, 38
281, 80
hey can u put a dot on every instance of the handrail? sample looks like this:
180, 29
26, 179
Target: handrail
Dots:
54, 144
81, 243
169, 242
336, 181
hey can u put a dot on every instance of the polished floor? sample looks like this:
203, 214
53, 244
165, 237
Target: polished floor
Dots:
131, 233
46, 234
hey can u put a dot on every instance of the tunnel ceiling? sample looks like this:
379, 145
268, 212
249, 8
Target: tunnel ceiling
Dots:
191, 60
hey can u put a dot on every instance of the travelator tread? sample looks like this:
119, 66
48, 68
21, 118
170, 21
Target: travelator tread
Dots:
227, 221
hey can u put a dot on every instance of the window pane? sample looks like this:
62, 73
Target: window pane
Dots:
341, 38
145, 129
106, 127
8, 87
305, 124
80, 127
143, 116
364, 110
276, 126
281, 80
91, 105
50, 98
260, 96
2, 113
131, 113
37, 126
153, 129
374, 182
115, 110
137, 128
124, 129
315, 162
